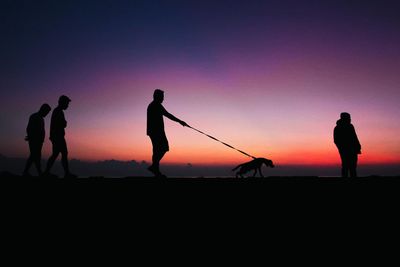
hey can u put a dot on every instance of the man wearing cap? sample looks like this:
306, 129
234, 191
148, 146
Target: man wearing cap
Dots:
349, 147
57, 137
156, 132
35, 137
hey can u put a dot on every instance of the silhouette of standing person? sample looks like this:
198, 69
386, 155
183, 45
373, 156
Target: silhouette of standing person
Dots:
57, 137
35, 136
156, 132
349, 147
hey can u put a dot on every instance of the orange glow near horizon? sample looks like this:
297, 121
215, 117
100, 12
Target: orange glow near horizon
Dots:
187, 146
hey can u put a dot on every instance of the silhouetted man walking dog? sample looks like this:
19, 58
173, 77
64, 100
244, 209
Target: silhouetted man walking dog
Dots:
57, 137
35, 136
156, 132
349, 147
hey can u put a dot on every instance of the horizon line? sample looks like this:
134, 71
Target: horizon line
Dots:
212, 164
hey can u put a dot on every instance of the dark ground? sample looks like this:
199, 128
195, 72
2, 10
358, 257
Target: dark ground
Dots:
12, 179
7, 177
287, 187
284, 207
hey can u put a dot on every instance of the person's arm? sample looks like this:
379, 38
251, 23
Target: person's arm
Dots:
336, 137
63, 122
172, 117
42, 130
58, 119
357, 142
28, 129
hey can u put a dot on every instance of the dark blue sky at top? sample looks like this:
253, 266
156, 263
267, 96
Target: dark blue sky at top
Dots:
57, 36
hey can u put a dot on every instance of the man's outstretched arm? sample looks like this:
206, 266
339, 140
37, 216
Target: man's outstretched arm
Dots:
172, 117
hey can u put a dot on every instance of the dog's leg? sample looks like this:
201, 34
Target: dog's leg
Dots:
255, 172
259, 169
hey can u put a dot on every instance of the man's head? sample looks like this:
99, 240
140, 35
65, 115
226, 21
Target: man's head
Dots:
44, 110
63, 101
158, 95
344, 116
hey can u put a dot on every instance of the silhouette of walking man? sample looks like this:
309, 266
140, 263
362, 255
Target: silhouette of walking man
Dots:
35, 136
156, 132
57, 137
349, 147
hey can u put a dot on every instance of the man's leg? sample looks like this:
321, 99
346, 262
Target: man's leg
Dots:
353, 165
345, 164
53, 157
160, 147
33, 151
38, 158
155, 160
64, 160
157, 156
28, 165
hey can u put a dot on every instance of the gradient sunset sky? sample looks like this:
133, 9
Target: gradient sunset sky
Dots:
268, 77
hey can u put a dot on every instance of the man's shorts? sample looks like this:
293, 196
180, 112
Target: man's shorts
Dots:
59, 146
160, 143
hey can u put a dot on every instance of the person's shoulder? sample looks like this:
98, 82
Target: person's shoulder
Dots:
150, 106
337, 126
58, 110
155, 105
34, 116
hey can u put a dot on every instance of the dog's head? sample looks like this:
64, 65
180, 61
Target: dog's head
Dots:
268, 163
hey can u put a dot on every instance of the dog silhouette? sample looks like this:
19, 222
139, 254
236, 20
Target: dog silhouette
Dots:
255, 165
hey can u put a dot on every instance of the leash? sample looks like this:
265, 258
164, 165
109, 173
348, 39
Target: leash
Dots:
209, 136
